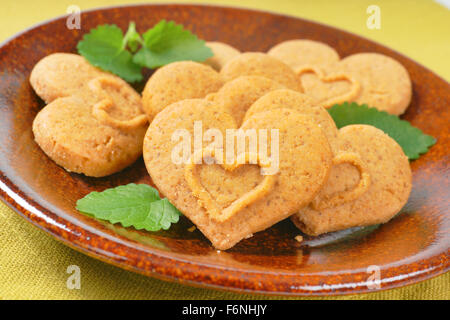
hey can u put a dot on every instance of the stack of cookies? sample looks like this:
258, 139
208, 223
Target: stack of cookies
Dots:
301, 167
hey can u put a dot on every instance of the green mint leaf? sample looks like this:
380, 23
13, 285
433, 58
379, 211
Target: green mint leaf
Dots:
132, 39
132, 205
413, 141
104, 47
168, 42
163, 214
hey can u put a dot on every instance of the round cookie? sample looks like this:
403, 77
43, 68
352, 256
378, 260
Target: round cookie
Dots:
289, 99
260, 64
222, 54
239, 94
391, 182
62, 74
178, 81
301, 52
301, 145
96, 135
385, 83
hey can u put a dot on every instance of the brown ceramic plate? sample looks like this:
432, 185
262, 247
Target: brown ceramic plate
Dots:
412, 247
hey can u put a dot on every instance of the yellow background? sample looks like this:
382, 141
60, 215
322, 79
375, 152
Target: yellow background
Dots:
420, 29
33, 265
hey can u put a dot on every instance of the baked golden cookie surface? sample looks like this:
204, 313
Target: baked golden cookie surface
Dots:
260, 64
328, 89
95, 127
238, 95
385, 83
71, 136
342, 159
222, 54
177, 81
230, 201
366, 78
61, 75
312, 61
290, 99
302, 52
389, 189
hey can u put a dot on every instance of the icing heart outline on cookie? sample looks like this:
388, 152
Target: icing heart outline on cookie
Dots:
100, 109
391, 184
74, 134
204, 197
304, 165
340, 157
348, 96
336, 199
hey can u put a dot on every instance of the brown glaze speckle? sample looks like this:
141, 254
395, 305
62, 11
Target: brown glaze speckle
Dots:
412, 247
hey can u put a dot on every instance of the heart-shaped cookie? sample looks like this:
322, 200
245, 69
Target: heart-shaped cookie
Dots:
242, 201
388, 192
94, 123
290, 99
385, 83
312, 60
303, 104
187, 80
204, 197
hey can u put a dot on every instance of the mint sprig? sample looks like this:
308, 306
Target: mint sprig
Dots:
132, 205
168, 42
125, 55
132, 38
413, 141
104, 47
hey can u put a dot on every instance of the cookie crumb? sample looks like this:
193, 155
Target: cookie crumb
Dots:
192, 229
299, 238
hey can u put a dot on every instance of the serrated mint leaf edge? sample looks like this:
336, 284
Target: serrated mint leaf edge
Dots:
134, 70
151, 38
168, 215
